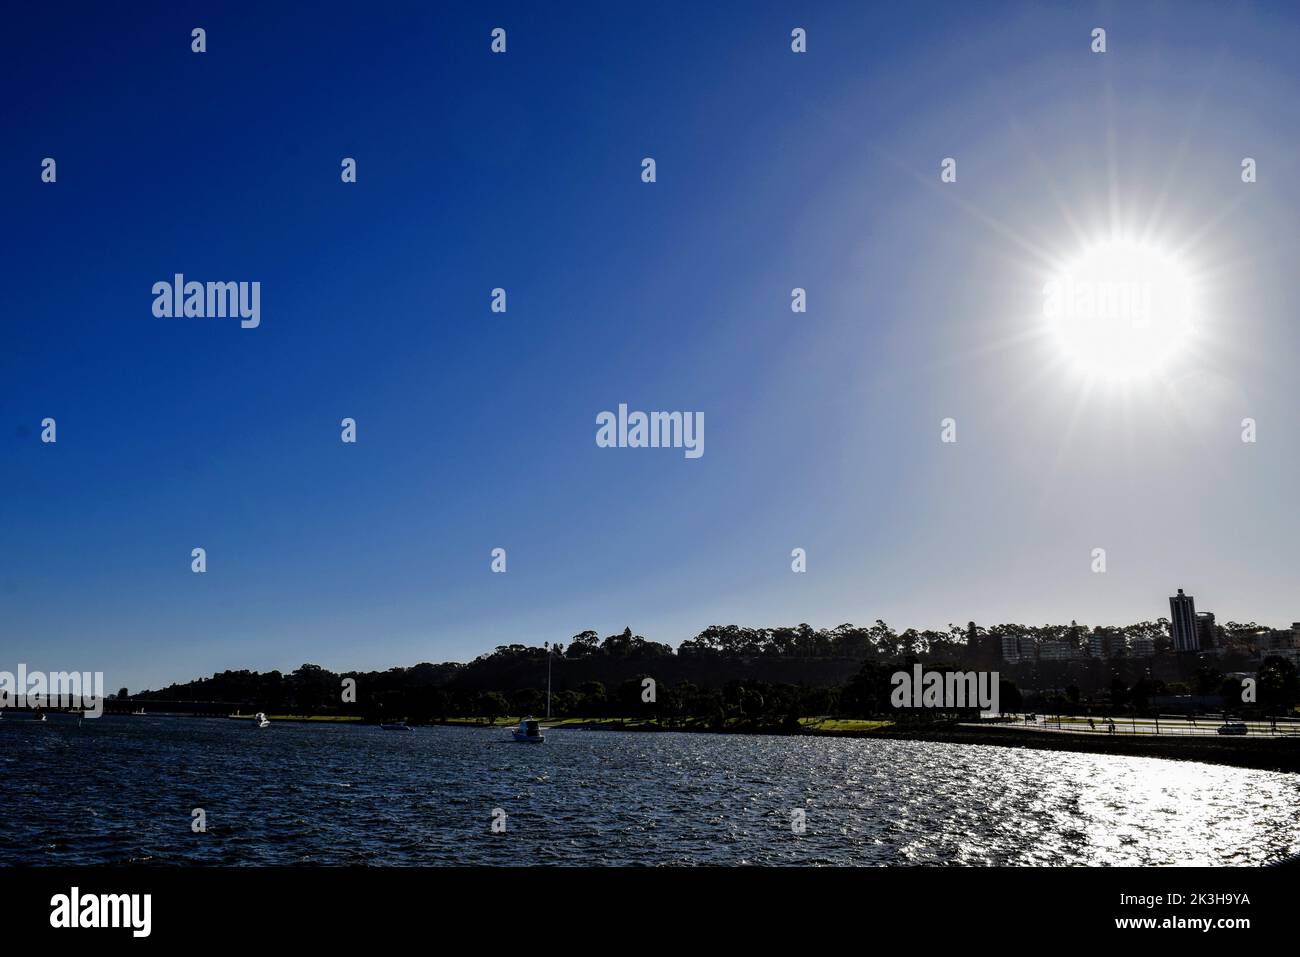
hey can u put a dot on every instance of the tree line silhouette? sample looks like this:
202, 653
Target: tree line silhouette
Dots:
730, 673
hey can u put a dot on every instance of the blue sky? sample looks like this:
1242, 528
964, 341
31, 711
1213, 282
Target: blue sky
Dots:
476, 430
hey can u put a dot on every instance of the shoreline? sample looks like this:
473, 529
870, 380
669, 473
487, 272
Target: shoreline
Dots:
1259, 754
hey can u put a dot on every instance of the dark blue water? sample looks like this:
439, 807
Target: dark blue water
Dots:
121, 790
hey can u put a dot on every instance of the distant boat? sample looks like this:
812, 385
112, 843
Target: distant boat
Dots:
397, 726
261, 720
529, 732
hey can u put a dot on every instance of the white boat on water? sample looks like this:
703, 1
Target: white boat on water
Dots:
261, 720
529, 731
397, 726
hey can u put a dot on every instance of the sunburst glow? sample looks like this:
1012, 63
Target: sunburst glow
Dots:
1121, 310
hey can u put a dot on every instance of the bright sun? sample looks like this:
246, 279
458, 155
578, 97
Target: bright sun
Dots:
1121, 310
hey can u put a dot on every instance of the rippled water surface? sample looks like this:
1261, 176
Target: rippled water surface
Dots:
121, 790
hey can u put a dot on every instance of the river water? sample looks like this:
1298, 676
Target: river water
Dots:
121, 790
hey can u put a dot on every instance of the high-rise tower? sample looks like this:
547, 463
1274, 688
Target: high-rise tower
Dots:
1182, 623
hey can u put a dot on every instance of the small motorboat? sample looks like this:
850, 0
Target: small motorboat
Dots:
397, 726
529, 731
261, 720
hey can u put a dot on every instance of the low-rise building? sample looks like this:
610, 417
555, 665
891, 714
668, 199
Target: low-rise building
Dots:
1011, 652
1280, 639
1206, 633
1056, 651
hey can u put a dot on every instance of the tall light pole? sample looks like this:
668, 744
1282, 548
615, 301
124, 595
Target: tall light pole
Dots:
548, 678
